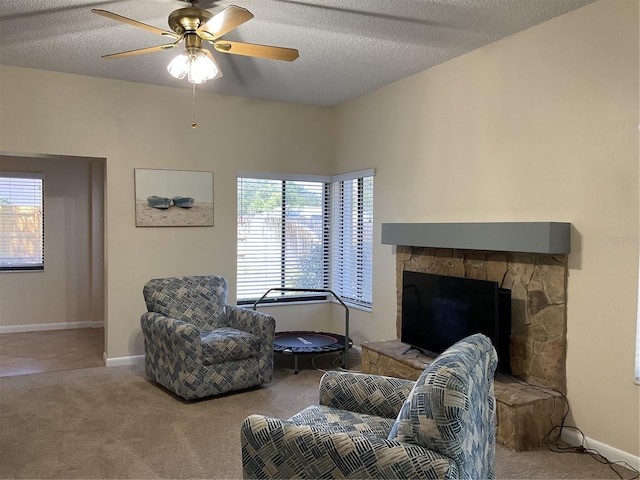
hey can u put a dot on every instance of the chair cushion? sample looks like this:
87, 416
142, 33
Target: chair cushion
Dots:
228, 344
333, 420
450, 409
198, 300
431, 415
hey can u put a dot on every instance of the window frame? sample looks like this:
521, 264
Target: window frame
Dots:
329, 225
289, 297
360, 294
5, 264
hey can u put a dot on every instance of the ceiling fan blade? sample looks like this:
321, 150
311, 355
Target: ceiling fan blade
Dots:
135, 23
255, 50
140, 51
225, 21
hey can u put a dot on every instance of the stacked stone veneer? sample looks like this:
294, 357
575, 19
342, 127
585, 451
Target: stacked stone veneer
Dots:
538, 284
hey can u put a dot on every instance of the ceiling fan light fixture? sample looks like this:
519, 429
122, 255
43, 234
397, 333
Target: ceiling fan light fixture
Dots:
194, 64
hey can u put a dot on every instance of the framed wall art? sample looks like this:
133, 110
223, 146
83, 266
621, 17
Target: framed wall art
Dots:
173, 198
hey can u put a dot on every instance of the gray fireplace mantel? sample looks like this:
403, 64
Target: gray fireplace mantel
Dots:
531, 237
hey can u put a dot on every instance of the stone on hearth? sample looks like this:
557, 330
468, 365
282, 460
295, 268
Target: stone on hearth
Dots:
474, 265
552, 319
521, 265
519, 291
554, 281
525, 414
403, 253
509, 280
477, 272
538, 333
496, 267
536, 301
446, 262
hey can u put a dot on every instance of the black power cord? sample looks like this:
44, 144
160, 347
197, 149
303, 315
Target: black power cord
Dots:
554, 443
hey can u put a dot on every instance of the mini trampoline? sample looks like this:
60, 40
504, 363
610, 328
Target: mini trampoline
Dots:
305, 342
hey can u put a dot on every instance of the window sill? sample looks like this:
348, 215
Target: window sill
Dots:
282, 303
356, 307
20, 270
305, 302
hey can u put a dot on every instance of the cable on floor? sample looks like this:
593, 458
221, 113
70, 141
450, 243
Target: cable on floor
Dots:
553, 439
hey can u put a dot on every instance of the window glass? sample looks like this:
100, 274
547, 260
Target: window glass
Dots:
21, 221
282, 237
352, 245
294, 230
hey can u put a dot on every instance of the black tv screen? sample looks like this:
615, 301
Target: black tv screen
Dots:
439, 310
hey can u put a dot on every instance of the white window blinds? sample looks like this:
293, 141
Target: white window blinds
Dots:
293, 230
21, 221
283, 234
352, 237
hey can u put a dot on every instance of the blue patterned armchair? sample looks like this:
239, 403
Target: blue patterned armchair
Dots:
370, 426
196, 346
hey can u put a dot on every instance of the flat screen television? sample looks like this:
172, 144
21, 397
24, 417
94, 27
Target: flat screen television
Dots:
439, 310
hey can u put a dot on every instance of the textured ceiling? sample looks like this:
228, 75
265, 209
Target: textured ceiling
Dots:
347, 47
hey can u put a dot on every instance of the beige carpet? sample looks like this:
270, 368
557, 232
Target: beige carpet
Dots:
114, 423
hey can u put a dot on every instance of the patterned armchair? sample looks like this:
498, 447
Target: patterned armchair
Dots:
196, 345
370, 426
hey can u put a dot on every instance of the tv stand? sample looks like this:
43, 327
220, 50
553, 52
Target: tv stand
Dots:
525, 413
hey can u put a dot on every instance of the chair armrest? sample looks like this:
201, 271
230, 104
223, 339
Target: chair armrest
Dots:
251, 321
156, 325
364, 393
273, 448
262, 326
173, 343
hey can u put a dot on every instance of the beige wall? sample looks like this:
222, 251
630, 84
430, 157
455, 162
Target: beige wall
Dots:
142, 126
542, 126
61, 295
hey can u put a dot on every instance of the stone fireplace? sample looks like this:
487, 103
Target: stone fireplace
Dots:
528, 258
538, 284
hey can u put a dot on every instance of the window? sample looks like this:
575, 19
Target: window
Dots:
283, 234
352, 237
21, 221
294, 230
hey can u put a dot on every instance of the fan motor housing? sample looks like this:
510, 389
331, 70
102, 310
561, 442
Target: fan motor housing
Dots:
188, 19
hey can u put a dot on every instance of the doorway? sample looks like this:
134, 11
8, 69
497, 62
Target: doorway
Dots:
70, 293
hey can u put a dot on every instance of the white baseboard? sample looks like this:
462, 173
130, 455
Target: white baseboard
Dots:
134, 360
41, 327
610, 453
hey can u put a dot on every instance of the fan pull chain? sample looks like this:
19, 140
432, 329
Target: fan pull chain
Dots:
194, 124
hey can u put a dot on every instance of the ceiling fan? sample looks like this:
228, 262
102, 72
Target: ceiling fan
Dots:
193, 25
